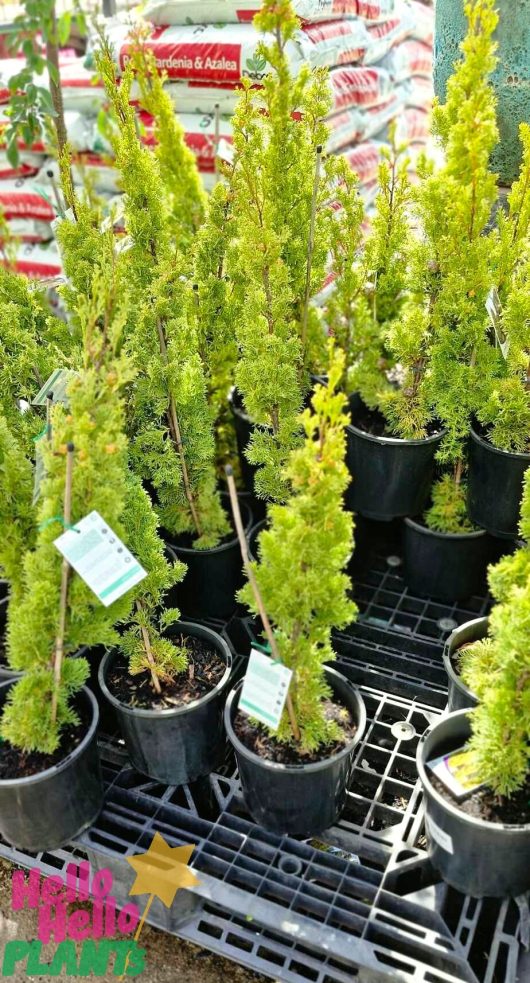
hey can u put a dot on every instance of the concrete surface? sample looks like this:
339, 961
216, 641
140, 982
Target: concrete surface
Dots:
168, 960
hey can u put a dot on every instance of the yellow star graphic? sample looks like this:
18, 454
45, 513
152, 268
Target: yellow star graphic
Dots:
162, 870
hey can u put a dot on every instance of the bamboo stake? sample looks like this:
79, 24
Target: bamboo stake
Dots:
311, 248
255, 589
149, 653
65, 573
177, 438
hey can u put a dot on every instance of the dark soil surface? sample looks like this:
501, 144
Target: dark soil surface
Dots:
206, 668
15, 763
257, 738
374, 423
484, 804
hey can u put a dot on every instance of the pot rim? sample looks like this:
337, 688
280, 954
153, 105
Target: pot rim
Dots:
42, 776
452, 645
488, 446
396, 441
313, 766
213, 550
220, 645
424, 530
474, 821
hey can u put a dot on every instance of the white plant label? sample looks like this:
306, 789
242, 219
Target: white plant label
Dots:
265, 689
439, 835
56, 386
458, 772
494, 309
100, 558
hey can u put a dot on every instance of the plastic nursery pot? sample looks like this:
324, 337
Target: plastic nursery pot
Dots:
181, 744
459, 696
445, 566
252, 538
5, 671
244, 428
213, 576
301, 800
495, 485
477, 857
391, 477
51, 808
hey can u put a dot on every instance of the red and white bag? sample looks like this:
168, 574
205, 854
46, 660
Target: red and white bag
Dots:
241, 11
344, 128
95, 169
364, 160
374, 119
227, 54
351, 85
407, 59
30, 230
384, 36
423, 17
83, 91
418, 92
28, 199
199, 134
27, 166
38, 260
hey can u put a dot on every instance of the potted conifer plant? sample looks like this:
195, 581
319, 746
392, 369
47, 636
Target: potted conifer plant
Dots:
391, 459
163, 678
445, 340
499, 450
282, 186
295, 780
171, 424
481, 843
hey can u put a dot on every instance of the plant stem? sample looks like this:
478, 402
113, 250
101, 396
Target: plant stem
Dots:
52, 55
255, 589
149, 653
65, 573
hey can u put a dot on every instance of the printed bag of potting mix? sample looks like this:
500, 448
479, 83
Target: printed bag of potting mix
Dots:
38, 260
231, 52
407, 59
28, 199
238, 11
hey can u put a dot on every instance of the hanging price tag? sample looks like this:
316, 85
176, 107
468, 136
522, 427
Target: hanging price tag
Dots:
494, 309
458, 772
100, 558
56, 385
265, 689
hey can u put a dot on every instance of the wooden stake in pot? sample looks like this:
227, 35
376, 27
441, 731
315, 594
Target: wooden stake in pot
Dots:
65, 573
255, 589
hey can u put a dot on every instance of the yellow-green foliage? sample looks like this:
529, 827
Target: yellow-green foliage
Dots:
302, 557
277, 131
170, 420
498, 671
17, 515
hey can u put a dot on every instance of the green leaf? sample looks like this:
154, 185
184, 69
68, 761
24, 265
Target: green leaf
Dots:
64, 25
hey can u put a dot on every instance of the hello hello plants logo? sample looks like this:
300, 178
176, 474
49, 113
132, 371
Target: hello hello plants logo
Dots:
101, 937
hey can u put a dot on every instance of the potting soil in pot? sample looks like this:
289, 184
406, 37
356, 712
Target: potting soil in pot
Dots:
258, 739
484, 804
204, 672
15, 763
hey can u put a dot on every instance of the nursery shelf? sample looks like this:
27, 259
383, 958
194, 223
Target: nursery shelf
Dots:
361, 902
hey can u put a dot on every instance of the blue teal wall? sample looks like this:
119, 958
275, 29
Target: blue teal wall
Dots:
511, 78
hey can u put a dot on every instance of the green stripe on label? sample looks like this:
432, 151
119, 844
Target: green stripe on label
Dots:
245, 705
121, 580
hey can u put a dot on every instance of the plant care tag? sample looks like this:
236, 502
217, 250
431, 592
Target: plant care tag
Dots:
494, 309
56, 385
100, 558
458, 772
265, 689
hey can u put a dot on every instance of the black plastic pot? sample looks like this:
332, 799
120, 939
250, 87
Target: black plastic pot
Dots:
244, 428
49, 809
478, 858
495, 485
459, 696
301, 800
181, 744
4, 588
445, 566
391, 477
213, 577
